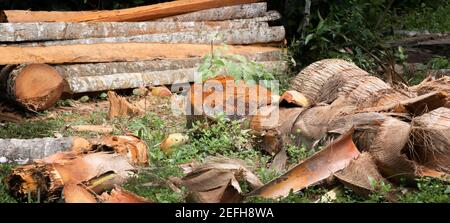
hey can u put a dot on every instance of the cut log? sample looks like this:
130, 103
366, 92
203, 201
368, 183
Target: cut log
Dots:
143, 13
143, 79
120, 107
100, 69
227, 36
225, 13
91, 128
107, 52
34, 87
17, 32
25, 150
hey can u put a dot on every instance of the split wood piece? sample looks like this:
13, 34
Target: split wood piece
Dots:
387, 149
49, 178
244, 11
360, 175
100, 69
275, 126
223, 94
430, 140
120, 107
74, 193
19, 32
26, 150
228, 36
131, 146
107, 52
142, 13
294, 98
34, 87
120, 195
140, 79
334, 157
91, 128
217, 181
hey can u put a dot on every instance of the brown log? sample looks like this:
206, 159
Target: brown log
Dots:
143, 13
227, 36
107, 52
18, 32
35, 87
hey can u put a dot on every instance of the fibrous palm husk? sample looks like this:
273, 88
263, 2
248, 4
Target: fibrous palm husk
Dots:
361, 175
429, 143
217, 180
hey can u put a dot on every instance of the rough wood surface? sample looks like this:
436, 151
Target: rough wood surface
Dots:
227, 36
224, 13
107, 52
79, 84
99, 69
16, 32
35, 87
142, 13
27, 150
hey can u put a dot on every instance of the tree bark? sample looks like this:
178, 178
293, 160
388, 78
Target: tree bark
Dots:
35, 87
143, 13
17, 32
224, 13
100, 69
80, 84
228, 36
27, 150
107, 52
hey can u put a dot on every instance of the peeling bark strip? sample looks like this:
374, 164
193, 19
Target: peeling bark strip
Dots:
25, 150
143, 13
224, 13
100, 69
107, 52
228, 36
16, 32
134, 80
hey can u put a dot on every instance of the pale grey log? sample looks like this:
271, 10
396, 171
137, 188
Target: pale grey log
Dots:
25, 150
141, 79
244, 11
99, 69
40, 31
229, 36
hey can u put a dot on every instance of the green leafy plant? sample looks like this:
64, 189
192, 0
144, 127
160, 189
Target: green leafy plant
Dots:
237, 66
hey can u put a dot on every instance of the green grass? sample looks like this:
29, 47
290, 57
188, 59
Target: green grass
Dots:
427, 18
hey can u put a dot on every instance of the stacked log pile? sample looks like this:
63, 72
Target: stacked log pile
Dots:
46, 54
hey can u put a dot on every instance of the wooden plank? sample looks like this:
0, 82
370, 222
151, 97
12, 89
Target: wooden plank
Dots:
142, 13
107, 52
